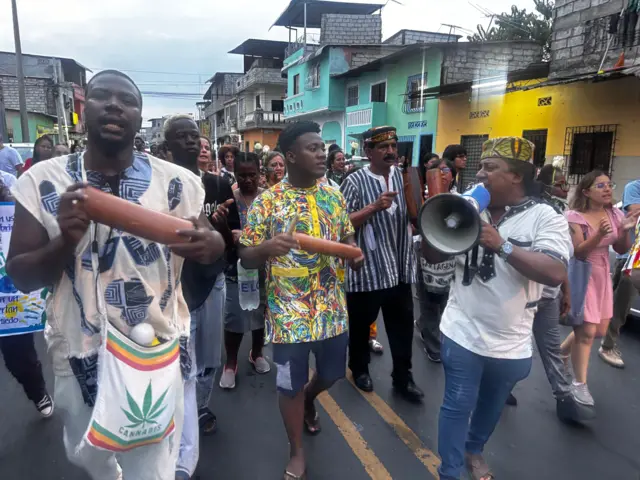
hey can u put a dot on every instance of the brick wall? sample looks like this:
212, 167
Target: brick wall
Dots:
340, 29
364, 55
227, 88
470, 61
409, 37
580, 36
39, 93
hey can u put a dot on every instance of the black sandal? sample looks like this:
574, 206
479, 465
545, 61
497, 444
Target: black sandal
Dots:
312, 425
207, 421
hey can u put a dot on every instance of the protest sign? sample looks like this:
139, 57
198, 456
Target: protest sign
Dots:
19, 312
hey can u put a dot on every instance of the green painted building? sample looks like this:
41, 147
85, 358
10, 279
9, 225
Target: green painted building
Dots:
388, 91
39, 123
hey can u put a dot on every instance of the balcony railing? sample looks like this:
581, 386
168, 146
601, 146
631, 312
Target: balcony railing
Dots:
313, 39
226, 128
260, 76
261, 118
359, 117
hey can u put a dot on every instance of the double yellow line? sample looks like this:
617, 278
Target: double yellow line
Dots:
367, 457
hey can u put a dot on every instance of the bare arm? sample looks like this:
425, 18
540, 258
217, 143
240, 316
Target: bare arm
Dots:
538, 266
35, 262
255, 257
205, 245
581, 247
360, 217
628, 223
383, 202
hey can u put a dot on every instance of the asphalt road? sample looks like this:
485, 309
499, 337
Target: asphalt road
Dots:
374, 436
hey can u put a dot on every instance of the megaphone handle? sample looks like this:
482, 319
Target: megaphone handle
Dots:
474, 259
466, 277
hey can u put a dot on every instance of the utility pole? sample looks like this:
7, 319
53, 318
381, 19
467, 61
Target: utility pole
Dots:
22, 96
63, 132
3, 120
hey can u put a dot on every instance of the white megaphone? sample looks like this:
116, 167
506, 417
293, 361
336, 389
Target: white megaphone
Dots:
451, 223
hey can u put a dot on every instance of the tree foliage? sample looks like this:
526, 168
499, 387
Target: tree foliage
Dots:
519, 24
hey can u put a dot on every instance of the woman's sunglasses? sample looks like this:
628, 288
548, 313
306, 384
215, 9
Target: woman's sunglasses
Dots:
445, 170
602, 185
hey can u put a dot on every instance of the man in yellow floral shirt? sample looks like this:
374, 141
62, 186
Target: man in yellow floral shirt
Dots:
305, 292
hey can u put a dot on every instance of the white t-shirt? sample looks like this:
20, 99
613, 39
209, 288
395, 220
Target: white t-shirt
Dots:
8, 179
493, 316
9, 160
139, 279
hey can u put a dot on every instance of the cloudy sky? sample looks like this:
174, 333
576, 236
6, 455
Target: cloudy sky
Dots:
175, 47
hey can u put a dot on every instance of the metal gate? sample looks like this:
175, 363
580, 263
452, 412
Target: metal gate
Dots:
473, 146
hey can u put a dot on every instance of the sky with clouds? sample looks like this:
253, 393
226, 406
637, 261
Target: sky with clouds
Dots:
169, 46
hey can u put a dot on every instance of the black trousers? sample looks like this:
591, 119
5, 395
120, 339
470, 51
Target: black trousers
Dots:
397, 312
21, 359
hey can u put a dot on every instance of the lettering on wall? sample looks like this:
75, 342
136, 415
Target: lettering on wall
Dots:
418, 124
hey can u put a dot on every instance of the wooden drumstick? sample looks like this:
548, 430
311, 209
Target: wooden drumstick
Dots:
292, 225
327, 247
434, 182
134, 219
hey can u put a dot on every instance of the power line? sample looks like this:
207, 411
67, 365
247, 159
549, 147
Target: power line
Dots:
154, 72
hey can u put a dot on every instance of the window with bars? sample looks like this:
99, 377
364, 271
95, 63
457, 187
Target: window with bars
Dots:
539, 139
415, 85
353, 95
589, 148
379, 92
473, 146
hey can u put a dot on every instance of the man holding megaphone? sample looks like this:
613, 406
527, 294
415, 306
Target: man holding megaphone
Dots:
519, 244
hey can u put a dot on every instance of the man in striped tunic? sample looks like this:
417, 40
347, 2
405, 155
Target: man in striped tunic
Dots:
378, 210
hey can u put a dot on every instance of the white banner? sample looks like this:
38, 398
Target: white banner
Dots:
19, 312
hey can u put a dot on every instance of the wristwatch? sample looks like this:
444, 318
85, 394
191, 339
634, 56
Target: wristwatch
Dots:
506, 249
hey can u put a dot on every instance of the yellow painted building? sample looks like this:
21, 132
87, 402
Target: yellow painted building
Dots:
591, 124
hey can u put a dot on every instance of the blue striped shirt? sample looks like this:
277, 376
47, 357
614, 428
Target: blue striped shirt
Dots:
385, 238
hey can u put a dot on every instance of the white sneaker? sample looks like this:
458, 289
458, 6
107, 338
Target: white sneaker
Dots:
260, 364
45, 406
581, 394
228, 379
613, 357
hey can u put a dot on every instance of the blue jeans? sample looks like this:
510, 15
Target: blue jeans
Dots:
476, 387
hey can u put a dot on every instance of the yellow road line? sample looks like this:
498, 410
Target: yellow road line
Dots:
410, 439
371, 463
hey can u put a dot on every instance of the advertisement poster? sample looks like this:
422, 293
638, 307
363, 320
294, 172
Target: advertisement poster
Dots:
19, 312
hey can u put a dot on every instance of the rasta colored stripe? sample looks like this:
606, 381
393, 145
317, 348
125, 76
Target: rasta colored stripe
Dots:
102, 438
141, 360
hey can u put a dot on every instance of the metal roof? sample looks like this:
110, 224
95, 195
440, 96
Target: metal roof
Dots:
218, 75
64, 59
293, 16
532, 72
261, 48
594, 76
